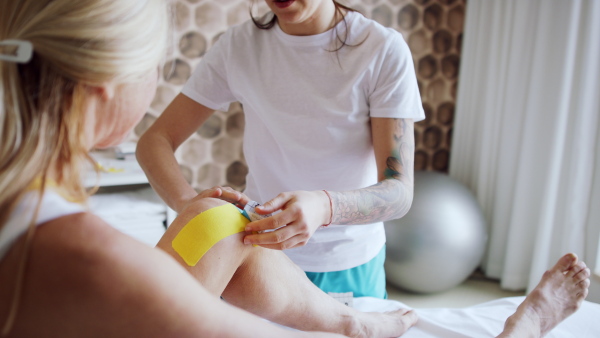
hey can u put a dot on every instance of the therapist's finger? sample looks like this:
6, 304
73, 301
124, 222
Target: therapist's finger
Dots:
225, 193
292, 242
234, 196
274, 204
274, 237
301, 241
243, 200
213, 192
271, 223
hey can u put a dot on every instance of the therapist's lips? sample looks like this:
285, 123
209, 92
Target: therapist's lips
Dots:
283, 4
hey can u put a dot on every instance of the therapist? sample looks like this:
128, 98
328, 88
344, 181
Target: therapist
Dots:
330, 98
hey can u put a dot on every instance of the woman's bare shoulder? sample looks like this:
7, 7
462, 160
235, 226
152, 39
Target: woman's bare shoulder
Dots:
82, 274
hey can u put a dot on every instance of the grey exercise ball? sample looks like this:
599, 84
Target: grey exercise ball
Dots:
440, 241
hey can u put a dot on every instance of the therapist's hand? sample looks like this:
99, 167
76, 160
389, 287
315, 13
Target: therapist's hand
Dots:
225, 193
302, 213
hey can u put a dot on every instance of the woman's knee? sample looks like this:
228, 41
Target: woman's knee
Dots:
196, 233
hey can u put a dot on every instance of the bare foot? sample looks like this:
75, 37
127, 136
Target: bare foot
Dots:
558, 295
387, 324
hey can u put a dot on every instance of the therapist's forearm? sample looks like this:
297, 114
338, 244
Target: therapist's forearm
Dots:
156, 156
391, 198
387, 200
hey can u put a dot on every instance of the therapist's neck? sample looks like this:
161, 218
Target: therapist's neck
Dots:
300, 19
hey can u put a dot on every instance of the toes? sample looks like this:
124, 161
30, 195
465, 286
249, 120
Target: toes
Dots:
582, 295
584, 284
565, 262
411, 317
576, 269
400, 312
583, 274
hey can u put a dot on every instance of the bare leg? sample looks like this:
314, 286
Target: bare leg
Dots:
558, 295
266, 283
85, 279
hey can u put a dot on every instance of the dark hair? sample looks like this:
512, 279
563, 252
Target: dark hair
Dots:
266, 23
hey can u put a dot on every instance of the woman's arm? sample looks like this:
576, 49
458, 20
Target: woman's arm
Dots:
156, 154
391, 197
305, 211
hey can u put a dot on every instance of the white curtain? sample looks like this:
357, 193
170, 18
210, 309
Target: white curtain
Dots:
526, 131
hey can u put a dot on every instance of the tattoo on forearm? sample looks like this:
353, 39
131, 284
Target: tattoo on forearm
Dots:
400, 163
394, 168
388, 199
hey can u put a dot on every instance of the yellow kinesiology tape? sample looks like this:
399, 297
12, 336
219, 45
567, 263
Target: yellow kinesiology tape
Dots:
206, 230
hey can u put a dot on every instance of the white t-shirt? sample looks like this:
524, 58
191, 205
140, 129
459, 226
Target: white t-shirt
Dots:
307, 112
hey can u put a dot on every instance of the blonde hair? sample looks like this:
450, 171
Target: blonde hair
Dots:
77, 43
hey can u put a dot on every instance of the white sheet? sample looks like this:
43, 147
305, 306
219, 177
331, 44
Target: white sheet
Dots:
483, 320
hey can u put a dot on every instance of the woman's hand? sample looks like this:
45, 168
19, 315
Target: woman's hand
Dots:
302, 213
225, 193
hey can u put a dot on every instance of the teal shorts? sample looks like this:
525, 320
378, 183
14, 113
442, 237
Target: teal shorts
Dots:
367, 280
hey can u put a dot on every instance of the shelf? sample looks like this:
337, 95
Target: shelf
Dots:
117, 172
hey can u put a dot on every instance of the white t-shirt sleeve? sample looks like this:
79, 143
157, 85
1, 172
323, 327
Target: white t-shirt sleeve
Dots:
209, 84
396, 93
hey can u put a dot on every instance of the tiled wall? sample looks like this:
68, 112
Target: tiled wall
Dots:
213, 155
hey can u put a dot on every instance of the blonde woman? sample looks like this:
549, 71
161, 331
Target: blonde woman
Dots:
80, 74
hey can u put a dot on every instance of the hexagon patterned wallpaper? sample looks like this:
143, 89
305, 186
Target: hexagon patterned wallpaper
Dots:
213, 155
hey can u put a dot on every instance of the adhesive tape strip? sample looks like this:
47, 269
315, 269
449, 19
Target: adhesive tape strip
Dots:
206, 230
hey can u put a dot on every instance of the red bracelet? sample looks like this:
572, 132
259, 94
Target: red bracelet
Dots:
330, 207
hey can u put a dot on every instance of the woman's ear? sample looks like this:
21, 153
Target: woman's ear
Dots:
105, 92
